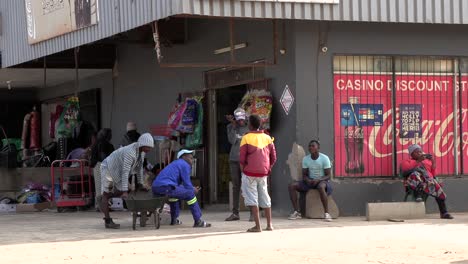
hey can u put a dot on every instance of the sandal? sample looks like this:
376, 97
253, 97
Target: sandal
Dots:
268, 229
202, 223
254, 229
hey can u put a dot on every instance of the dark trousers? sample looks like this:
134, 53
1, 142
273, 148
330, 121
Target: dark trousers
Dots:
236, 185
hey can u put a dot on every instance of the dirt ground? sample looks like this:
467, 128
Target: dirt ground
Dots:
80, 237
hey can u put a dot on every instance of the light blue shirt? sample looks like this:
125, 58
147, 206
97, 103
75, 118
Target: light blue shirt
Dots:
316, 167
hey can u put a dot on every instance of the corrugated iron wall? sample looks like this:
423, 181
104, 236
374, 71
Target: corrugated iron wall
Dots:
117, 16
402, 11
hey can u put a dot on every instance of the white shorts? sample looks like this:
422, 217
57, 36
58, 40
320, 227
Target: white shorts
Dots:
107, 183
255, 191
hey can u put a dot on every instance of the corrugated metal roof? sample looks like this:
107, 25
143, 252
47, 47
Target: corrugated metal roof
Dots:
117, 16
402, 11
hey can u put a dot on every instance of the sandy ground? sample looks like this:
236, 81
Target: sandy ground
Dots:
80, 237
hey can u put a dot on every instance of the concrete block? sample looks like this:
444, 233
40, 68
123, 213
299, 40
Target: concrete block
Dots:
397, 210
314, 207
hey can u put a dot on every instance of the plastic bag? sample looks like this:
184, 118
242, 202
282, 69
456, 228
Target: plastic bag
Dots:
258, 102
195, 139
176, 115
189, 117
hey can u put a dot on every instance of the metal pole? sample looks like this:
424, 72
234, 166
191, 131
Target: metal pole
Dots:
212, 145
455, 115
394, 136
460, 117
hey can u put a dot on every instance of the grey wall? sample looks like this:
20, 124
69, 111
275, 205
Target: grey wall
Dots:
314, 78
283, 125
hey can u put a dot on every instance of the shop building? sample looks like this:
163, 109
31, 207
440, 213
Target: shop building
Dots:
368, 78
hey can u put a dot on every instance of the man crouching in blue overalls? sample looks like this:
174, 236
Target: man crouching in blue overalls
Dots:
174, 182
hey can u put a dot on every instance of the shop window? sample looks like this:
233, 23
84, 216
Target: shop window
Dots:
361, 64
384, 104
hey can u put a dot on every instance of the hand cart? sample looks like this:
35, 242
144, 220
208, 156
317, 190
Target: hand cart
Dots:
75, 184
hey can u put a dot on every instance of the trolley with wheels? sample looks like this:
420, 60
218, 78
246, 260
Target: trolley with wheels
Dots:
75, 184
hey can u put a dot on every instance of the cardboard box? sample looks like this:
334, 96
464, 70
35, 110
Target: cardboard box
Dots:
24, 208
7, 208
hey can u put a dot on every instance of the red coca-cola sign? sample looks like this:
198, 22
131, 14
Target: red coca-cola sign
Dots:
370, 131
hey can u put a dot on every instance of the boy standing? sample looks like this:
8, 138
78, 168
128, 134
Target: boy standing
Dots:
257, 157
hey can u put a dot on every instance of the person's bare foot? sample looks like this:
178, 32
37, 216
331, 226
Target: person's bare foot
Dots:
268, 228
254, 229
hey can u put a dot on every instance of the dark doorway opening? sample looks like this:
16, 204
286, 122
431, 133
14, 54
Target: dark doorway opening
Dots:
227, 100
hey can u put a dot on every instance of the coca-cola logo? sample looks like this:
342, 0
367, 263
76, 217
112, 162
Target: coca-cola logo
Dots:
437, 136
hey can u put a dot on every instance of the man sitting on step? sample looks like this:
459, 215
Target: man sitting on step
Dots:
316, 169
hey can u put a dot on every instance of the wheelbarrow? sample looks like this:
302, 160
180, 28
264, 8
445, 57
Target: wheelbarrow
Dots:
153, 205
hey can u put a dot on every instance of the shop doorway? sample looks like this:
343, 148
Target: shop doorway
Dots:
225, 89
227, 100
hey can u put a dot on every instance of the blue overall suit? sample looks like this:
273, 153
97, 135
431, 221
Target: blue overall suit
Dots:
174, 182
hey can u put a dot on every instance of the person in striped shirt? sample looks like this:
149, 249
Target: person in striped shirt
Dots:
117, 169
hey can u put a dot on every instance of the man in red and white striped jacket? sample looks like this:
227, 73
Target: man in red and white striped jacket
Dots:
257, 157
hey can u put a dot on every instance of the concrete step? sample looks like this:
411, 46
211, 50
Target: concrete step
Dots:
395, 210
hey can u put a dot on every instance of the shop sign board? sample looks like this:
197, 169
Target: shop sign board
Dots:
287, 100
424, 115
51, 18
297, 1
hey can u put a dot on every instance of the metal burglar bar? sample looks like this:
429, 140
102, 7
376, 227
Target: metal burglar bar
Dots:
362, 95
384, 104
462, 86
425, 103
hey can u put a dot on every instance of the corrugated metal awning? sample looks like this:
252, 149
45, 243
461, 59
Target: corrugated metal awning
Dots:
400, 11
117, 16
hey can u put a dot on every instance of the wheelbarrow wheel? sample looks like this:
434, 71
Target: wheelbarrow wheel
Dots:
134, 214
